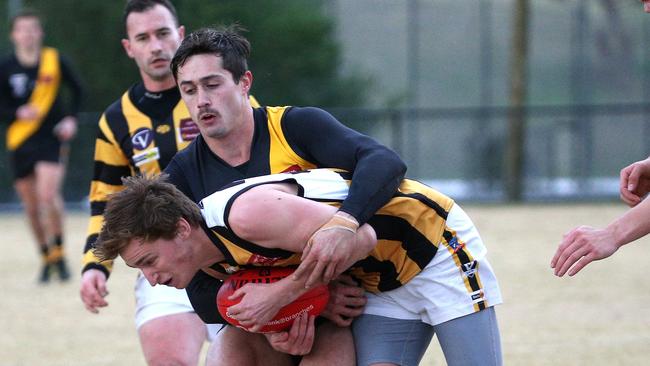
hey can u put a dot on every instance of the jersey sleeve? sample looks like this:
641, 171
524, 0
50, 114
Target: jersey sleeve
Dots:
110, 165
73, 82
320, 138
202, 292
7, 110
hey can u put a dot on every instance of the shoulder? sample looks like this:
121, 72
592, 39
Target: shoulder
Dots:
184, 160
306, 112
7, 63
114, 111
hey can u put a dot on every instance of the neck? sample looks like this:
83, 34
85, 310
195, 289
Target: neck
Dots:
157, 85
28, 56
208, 253
235, 147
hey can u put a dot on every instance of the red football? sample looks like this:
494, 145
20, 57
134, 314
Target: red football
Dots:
313, 301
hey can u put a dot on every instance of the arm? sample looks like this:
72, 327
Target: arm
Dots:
283, 221
635, 182
8, 107
66, 129
585, 244
109, 166
377, 172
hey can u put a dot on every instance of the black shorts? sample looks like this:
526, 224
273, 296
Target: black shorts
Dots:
23, 160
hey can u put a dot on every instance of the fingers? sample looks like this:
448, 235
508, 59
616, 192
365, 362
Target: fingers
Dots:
302, 334
331, 272
305, 267
566, 241
581, 264
347, 280
92, 292
569, 258
317, 273
629, 182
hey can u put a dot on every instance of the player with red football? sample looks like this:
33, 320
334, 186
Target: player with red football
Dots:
420, 258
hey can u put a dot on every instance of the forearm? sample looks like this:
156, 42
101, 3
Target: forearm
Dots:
634, 224
376, 178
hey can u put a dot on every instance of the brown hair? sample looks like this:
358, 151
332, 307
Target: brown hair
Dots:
224, 41
147, 209
25, 13
140, 6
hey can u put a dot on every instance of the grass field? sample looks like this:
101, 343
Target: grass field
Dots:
600, 317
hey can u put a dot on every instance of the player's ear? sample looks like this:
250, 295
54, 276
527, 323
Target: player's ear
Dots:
246, 81
183, 229
127, 47
181, 31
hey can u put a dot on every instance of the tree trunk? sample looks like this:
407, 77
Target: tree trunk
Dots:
517, 116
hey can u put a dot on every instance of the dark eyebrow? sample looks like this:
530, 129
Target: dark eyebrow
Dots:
139, 262
155, 31
201, 80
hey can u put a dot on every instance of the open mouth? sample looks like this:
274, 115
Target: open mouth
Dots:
207, 117
168, 283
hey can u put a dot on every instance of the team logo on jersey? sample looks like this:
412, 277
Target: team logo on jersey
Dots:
477, 295
18, 84
146, 157
455, 245
257, 259
188, 129
469, 269
163, 129
141, 138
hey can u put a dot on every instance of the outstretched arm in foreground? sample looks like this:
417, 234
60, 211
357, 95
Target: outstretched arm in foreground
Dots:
585, 244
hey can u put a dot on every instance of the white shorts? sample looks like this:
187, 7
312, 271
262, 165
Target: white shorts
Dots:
443, 290
157, 301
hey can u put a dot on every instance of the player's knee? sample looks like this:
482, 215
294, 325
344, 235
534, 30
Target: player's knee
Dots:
164, 359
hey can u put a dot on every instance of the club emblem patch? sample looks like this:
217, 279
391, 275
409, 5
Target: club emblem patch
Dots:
141, 138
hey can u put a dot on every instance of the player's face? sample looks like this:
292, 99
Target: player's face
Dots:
163, 261
153, 40
646, 5
216, 103
27, 33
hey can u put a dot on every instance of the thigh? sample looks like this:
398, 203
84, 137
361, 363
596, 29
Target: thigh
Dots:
481, 342
389, 340
26, 189
333, 345
234, 346
173, 339
49, 177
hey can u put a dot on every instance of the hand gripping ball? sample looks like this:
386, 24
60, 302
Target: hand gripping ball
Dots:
313, 301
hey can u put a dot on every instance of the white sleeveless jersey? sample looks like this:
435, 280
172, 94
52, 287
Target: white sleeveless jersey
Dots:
316, 184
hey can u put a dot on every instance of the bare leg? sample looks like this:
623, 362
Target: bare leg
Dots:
333, 345
49, 178
173, 340
26, 189
234, 346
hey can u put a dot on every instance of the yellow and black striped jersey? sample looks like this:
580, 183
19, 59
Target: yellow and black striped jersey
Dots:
138, 134
409, 227
289, 139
